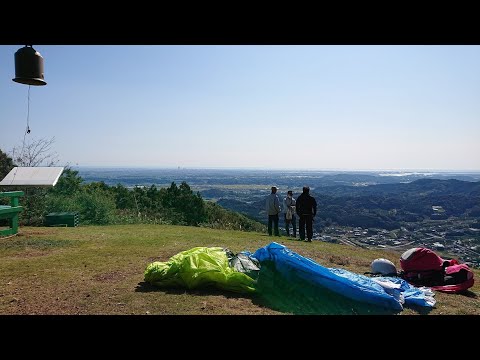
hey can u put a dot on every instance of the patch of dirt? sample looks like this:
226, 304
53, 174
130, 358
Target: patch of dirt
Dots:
156, 258
339, 260
361, 262
110, 276
33, 232
31, 253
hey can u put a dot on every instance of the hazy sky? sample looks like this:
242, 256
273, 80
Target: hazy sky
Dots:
281, 107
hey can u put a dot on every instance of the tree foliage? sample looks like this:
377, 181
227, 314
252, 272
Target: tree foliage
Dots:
220, 218
98, 203
6, 164
68, 183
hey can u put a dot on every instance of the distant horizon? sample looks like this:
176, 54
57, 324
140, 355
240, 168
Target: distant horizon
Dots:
272, 169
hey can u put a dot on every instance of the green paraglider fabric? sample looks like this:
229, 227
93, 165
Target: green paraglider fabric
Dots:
197, 268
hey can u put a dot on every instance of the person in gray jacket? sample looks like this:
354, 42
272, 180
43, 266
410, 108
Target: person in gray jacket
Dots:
273, 209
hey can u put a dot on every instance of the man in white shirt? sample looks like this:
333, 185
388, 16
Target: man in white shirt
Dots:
273, 209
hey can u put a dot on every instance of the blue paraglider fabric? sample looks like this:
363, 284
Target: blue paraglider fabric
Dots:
387, 292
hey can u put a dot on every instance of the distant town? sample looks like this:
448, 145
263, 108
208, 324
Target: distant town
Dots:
449, 238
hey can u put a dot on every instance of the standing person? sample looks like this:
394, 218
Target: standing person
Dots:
306, 210
289, 208
273, 209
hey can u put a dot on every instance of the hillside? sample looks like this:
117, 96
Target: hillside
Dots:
99, 270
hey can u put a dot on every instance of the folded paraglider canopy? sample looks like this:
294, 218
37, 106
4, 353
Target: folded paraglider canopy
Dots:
199, 267
382, 292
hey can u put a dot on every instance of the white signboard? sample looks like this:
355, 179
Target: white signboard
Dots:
32, 176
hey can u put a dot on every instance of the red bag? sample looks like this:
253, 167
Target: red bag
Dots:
421, 266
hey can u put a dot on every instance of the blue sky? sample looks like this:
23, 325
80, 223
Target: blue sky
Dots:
267, 107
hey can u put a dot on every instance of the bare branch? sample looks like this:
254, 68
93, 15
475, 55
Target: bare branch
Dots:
35, 153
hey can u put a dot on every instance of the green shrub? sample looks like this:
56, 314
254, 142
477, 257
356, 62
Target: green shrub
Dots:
221, 218
94, 207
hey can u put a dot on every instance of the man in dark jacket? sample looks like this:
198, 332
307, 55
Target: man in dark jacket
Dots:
306, 210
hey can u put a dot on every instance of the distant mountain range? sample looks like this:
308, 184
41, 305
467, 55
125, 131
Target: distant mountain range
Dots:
418, 187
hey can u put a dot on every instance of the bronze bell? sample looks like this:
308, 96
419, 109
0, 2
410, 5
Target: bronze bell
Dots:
29, 66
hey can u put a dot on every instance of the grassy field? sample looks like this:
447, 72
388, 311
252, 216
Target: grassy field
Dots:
99, 270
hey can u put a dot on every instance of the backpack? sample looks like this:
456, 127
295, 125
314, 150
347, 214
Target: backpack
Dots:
421, 266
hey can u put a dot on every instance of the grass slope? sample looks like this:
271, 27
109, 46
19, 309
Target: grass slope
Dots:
99, 270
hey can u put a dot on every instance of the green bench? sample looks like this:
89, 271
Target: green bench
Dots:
11, 212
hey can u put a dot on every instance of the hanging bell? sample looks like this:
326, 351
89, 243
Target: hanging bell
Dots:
29, 67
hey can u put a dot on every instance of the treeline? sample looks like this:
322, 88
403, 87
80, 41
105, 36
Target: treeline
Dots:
101, 204
390, 211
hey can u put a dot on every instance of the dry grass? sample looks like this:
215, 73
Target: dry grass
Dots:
99, 270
